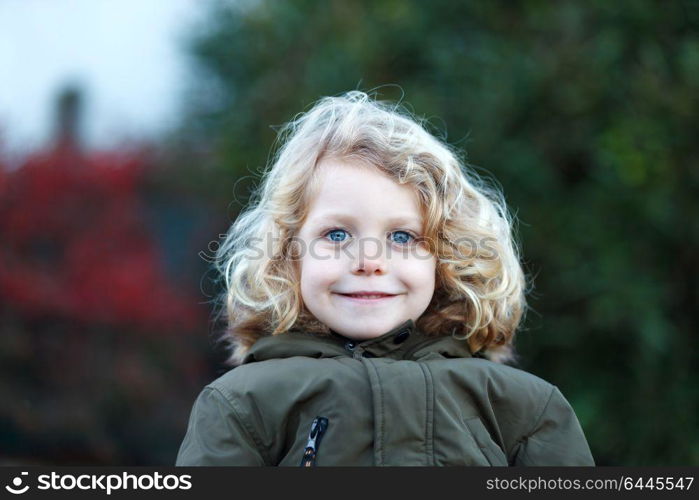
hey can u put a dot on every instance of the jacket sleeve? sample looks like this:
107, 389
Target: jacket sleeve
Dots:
556, 439
216, 434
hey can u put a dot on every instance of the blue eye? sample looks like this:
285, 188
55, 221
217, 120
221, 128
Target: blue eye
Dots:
339, 235
403, 239
336, 232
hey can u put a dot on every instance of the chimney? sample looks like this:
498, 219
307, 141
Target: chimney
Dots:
68, 110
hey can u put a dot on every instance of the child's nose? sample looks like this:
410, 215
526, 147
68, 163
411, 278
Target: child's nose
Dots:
370, 258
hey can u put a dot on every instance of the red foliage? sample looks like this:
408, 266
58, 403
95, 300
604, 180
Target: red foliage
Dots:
74, 243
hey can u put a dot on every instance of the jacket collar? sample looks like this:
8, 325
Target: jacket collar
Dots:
405, 341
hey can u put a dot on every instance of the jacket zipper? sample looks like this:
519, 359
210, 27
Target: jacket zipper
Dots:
318, 427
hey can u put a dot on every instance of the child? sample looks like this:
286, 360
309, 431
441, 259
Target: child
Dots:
373, 290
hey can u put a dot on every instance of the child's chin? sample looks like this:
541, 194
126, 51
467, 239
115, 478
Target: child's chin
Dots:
357, 332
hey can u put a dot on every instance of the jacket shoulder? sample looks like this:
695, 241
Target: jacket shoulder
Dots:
275, 376
272, 387
502, 383
528, 414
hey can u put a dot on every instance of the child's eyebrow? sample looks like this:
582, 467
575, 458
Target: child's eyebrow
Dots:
349, 219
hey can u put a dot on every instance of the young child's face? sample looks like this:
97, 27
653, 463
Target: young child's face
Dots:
353, 242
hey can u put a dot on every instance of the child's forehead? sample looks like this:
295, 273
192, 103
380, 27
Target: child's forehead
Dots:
346, 189
334, 215
357, 176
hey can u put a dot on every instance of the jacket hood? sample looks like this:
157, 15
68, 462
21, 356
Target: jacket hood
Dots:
405, 341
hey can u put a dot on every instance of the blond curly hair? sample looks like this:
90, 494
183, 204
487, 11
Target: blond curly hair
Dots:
479, 294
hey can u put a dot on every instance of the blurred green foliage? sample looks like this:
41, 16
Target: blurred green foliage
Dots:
585, 112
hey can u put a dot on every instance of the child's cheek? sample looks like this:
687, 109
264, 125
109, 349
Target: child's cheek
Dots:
421, 258
320, 269
421, 269
422, 253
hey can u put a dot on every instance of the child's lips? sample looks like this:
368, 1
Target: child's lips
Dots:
367, 299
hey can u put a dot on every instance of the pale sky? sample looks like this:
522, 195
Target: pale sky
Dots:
127, 54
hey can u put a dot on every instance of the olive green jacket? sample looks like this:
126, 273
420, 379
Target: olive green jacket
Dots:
399, 399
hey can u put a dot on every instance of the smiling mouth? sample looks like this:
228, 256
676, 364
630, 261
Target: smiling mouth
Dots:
366, 298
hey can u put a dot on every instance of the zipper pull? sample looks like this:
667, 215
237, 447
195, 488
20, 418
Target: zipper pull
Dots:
318, 427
